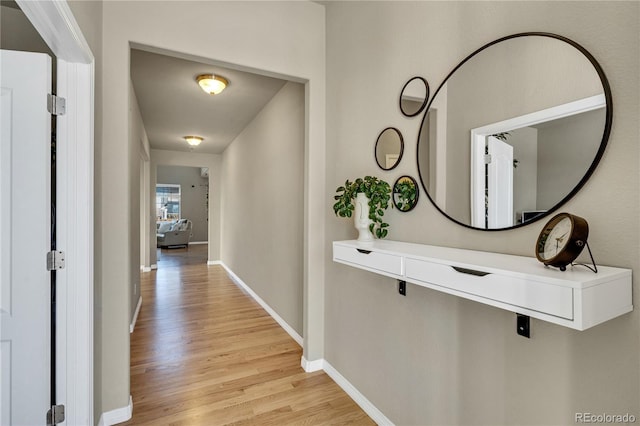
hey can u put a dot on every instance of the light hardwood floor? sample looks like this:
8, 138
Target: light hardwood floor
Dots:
203, 352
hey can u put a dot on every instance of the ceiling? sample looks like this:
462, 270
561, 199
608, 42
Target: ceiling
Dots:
173, 105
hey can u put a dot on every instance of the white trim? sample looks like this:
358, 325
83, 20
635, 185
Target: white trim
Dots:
198, 242
477, 180
366, 405
311, 366
57, 26
214, 262
480, 134
154, 266
145, 268
236, 279
119, 415
132, 326
554, 113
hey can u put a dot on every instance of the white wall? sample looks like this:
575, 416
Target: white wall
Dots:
434, 359
262, 204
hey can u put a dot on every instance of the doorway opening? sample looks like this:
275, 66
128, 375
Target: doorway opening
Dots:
253, 147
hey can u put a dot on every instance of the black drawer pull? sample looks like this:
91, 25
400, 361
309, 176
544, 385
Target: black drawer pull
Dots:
364, 251
470, 271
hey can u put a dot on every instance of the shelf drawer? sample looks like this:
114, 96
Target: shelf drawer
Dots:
525, 293
383, 262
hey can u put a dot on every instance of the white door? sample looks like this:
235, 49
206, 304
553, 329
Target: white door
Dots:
500, 184
25, 138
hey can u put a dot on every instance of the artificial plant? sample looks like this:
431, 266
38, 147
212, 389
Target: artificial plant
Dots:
377, 191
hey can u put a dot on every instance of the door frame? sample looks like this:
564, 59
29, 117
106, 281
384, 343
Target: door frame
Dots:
479, 135
57, 26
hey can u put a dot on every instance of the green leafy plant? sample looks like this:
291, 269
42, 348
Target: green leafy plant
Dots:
405, 194
379, 194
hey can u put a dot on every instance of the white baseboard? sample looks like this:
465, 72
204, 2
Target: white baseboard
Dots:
154, 266
236, 279
135, 315
214, 262
366, 405
198, 242
311, 366
119, 415
145, 268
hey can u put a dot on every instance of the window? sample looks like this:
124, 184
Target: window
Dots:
167, 202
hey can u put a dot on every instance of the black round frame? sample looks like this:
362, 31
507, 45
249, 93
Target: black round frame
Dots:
603, 144
375, 148
426, 96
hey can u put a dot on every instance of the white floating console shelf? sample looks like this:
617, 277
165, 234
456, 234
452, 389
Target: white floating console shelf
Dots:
576, 298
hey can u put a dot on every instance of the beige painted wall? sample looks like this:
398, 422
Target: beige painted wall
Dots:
431, 358
280, 38
139, 151
262, 204
566, 148
17, 33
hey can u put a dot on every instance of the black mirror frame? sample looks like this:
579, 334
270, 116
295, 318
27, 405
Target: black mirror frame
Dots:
393, 192
603, 144
375, 149
426, 96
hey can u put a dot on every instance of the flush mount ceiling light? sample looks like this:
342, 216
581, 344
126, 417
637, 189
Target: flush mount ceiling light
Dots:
193, 140
212, 84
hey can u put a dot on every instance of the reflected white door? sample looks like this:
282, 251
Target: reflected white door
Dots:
500, 184
25, 139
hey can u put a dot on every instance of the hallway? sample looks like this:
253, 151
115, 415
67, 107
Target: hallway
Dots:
203, 352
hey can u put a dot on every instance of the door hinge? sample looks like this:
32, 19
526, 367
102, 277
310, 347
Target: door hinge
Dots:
55, 415
56, 105
487, 159
55, 260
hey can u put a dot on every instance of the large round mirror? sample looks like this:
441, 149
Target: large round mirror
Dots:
389, 148
514, 131
414, 96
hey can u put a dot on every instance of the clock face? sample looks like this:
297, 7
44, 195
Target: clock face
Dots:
557, 239
561, 240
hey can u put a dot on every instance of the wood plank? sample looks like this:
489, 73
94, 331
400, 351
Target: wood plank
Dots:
204, 352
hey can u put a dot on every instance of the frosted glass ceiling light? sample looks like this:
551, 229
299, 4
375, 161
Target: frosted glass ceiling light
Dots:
193, 140
212, 84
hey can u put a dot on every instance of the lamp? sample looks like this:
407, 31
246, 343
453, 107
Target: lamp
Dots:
193, 140
212, 84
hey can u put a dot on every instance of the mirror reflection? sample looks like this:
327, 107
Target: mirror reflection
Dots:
405, 193
414, 96
389, 148
514, 131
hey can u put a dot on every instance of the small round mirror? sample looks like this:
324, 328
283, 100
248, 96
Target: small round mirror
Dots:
405, 193
414, 96
389, 148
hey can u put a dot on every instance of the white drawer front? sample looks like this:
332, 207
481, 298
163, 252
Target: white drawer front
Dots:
374, 260
537, 296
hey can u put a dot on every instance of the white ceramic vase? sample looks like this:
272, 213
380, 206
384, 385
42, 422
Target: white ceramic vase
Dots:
361, 218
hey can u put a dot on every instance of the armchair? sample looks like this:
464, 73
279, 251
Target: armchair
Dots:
178, 235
